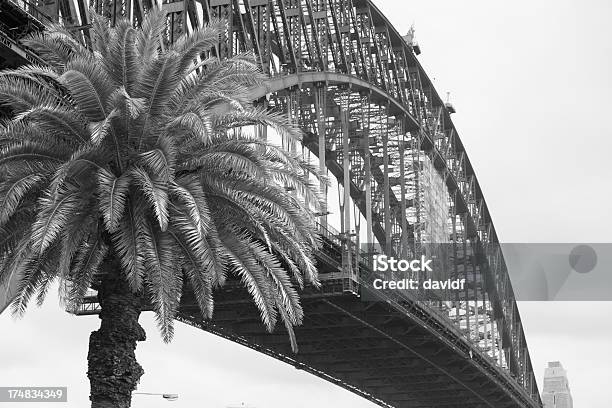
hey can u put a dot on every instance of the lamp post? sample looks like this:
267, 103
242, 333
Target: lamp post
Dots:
169, 397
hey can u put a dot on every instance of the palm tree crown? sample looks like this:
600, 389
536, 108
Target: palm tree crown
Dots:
123, 149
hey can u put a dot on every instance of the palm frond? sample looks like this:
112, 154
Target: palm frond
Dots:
87, 83
39, 75
163, 279
56, 120
129, 242
99, 130
61, 34
255, 116
133, 106
148, 38
22, 94
73, 237
13, 190
99, 33
155, 192
288, 326
53, 50
27, 150
160, 160
197, 268
244, 265
55, 212
190, 194
33, 276
285, 292
193, 45
192, 124
156, 85
122, 63
12, 234
113, 194
89, 258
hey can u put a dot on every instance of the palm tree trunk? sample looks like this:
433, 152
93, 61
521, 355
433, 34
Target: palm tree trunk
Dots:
113, 371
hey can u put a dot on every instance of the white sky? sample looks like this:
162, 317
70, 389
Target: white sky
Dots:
531, 83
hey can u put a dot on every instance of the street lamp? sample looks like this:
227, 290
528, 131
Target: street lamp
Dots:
169, 397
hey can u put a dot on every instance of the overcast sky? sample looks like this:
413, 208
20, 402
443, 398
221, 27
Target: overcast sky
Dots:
531, 82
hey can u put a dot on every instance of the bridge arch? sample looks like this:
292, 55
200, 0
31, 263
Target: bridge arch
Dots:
373, 118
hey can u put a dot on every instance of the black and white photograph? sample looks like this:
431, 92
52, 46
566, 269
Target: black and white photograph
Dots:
305, 203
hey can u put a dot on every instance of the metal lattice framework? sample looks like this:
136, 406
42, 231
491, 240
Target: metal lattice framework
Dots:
375, 122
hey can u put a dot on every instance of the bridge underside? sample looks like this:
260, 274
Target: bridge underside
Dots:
393, 352
370, 348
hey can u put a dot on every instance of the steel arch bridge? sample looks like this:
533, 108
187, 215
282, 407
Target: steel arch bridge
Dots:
375, 122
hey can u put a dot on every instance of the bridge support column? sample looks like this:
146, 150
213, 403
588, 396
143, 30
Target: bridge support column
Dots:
384, 124
346, 193
404, 241
367, 165
494, 341
320, 106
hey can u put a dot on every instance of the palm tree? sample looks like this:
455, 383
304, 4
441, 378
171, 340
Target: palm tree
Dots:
127, 166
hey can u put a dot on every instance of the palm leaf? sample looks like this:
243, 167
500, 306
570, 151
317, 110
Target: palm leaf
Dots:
129, 243
155, 193
156, 86
88, 261
163, 279
12, 192
74, 235
197, 270
148, 38
54, 214
252, 275
112, 193
54, 119
87, 83
191, 46
33, 276
99, 33
123, 64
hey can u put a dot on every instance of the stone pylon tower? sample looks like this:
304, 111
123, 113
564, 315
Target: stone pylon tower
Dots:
556, 393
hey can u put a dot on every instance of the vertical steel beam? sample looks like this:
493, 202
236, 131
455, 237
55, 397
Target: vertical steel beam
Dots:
455, 264
485, 303
346, 183
464, 250
367, 164
383, 122
320, 107
404, 249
